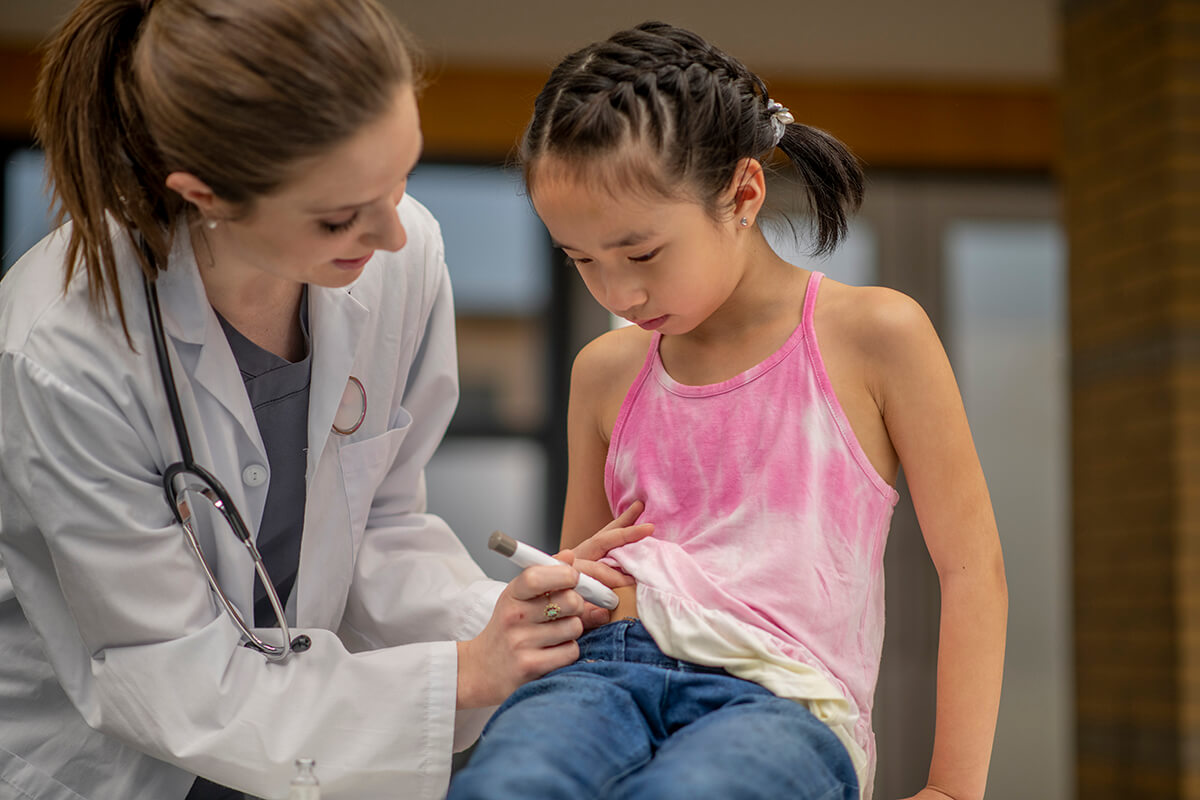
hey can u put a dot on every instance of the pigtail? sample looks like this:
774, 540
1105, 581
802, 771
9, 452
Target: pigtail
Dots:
832, 179
100, 160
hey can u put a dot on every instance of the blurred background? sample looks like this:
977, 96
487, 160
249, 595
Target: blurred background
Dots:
1033, 172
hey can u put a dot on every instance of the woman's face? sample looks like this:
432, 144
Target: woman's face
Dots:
322, 226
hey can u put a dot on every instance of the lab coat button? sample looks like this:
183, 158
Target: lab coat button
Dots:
254, 475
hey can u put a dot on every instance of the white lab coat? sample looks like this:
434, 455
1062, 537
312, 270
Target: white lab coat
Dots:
119, 675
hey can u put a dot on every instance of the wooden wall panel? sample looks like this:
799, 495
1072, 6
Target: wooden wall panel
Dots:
473, 113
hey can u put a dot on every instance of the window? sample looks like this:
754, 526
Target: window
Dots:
26, 206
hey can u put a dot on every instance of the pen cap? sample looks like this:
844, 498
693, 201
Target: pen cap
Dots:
504, 545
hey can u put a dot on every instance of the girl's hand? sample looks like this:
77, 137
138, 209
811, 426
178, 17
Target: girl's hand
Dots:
521, 641
621, 531
586, 555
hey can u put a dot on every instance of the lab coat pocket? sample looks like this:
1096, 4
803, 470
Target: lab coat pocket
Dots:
365, 465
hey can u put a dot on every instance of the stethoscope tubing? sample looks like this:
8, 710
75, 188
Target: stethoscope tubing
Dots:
211, 489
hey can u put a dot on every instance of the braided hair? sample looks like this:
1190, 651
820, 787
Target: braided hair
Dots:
659, 106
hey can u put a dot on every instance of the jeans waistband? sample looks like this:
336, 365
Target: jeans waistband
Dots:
628, 641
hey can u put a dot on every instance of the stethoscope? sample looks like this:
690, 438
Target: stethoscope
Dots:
185, 477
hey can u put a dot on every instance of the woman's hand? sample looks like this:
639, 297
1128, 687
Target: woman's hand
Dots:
522, 641
586, 555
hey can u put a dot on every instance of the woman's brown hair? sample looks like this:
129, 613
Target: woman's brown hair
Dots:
234, 92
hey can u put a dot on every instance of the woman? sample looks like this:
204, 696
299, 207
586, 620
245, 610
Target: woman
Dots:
245, 163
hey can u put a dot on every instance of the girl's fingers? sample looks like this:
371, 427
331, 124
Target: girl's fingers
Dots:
627, 517
597, 546
609, 576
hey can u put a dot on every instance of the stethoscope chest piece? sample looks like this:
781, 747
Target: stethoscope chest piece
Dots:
352, 409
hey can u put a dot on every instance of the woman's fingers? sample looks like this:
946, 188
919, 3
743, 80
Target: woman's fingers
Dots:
536, 581
553, 633
557, 605
594, 617
609, 576
547, 659
532, 631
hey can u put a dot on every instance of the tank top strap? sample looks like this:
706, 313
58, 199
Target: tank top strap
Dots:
652, 352
626, 409
810, 303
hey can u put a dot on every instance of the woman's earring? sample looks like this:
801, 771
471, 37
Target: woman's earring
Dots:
745, 223
211, 224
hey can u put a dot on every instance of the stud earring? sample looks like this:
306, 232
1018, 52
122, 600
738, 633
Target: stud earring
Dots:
211, 224
745, 223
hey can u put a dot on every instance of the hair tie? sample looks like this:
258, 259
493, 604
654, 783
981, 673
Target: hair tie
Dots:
781, 117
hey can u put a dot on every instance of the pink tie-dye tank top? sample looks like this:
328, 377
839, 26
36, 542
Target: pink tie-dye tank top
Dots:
770, 525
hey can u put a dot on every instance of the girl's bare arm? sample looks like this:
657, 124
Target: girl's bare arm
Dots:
923, 411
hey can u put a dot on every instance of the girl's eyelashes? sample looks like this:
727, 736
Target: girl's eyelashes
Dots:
340, 227
575, 262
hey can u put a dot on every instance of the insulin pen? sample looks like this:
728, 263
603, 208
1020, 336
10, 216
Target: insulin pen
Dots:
524, 555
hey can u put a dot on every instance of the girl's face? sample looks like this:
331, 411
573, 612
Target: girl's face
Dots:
323, 225
662, 264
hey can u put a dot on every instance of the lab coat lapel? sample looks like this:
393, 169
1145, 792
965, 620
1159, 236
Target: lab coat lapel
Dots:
337, 321
189, 318
209, 368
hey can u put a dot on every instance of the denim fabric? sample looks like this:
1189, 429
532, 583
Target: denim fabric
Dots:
626, 721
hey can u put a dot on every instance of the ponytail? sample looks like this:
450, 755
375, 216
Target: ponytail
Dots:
100, 160
236, 93
832, 179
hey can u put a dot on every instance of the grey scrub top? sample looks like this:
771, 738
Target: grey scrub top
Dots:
278, 391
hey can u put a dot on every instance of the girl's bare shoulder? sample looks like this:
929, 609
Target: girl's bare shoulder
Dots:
875, 321
603, 372
613, 356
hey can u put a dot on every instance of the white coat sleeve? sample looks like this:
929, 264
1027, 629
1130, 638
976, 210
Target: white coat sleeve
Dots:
128, 623
413, 576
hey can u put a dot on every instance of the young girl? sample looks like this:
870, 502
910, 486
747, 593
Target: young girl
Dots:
762, 414
238, 171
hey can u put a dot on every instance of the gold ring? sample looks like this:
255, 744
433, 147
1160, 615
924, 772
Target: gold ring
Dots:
553, 610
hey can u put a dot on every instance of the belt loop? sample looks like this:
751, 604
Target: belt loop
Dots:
620, 648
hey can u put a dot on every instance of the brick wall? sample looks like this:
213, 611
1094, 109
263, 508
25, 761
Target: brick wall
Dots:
1131, 180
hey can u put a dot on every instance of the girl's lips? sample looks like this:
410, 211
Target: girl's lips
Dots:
651, 324
352, 263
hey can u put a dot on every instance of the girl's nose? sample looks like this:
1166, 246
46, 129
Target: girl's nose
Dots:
625, 297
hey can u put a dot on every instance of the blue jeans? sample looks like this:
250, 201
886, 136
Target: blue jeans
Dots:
625, 721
